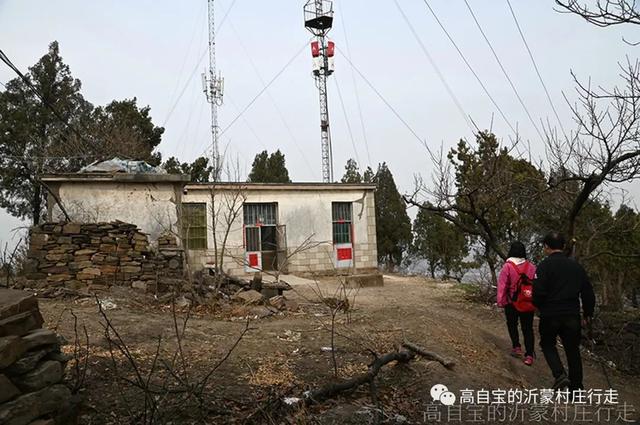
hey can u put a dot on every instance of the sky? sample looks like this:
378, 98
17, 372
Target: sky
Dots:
156, 51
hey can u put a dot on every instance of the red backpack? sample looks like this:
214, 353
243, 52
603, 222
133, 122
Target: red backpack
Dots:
522, 298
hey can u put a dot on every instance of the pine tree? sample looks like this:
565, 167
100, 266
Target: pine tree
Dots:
199, 170
33, 140
352, 173
393, 227
439, 242
269, 168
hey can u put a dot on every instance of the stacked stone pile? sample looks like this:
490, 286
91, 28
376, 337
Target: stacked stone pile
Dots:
31, 366
97, 255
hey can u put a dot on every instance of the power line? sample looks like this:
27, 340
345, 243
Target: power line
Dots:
464, 59
504, 71
272, 99
195, 69
355, 86
535, 66
386, 102
439, 73
346, 119
261, 92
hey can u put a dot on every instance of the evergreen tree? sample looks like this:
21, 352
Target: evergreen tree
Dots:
368, 176
199, 170
269, 168
393, 227
33, 140
125, 130
439, 242
352, 173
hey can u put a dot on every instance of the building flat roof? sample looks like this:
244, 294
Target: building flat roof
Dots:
116, 177
281, 186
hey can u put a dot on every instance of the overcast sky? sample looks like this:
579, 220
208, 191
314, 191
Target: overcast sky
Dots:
155, 51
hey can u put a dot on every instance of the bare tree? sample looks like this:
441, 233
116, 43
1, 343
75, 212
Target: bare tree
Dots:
603, 13
605, 149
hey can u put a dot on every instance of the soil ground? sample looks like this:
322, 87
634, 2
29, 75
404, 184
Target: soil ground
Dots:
283, 355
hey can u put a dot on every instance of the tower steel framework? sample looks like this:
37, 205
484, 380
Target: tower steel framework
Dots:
213, 87
318, 17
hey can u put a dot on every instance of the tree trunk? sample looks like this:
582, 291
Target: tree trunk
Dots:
36, 204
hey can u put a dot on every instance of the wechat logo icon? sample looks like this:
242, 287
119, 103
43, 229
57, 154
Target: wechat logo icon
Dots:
442, 394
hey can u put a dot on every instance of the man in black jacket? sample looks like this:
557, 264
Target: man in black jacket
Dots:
559, 285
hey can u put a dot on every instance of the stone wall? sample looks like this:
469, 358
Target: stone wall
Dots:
92, 256
31, 366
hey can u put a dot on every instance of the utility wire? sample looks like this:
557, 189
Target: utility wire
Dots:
195, 69
504, 71
346, 119
535, 66
261, 92
355, 86
425, 51
386, 102
475, 74
272, 99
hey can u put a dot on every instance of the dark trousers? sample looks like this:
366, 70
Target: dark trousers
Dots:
526, 323
569, 329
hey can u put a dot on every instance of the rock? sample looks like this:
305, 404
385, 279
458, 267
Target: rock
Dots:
21, 323
182, 302
58, 357
7, 389
278, 302
131, 269
47, 373
139, 284
84, 252
248, 297
28, 407
13, 302
291, 305
260, 311
27, 362
71, 228
43, 422
39, 337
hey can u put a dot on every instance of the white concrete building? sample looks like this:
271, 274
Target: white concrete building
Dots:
293, 227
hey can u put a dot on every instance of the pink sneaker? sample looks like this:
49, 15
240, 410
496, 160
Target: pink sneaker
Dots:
516, 352
528, 360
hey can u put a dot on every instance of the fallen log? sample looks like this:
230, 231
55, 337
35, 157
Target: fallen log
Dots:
401, 356
333, 389
449, 364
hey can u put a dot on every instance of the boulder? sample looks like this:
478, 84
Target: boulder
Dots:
39, 337
13, 302
24, 409
248, 297
260, 311
47, 373
7, 389
71, 228
27, 362
278, 302
21, 323
58, 357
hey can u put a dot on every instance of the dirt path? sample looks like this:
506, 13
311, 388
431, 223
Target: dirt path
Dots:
285, 352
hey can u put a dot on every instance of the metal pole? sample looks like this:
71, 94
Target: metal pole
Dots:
214, 90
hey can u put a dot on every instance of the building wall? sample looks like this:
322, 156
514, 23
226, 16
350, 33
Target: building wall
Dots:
307, 216
151, 206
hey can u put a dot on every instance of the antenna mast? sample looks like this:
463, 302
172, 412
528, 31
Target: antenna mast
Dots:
213, 87
318, 19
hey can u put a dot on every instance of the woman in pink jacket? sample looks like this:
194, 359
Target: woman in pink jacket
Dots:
508, 282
